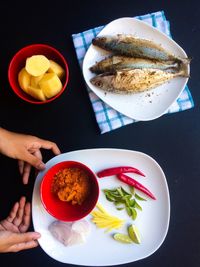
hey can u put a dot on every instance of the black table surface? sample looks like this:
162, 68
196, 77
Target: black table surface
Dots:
172, 140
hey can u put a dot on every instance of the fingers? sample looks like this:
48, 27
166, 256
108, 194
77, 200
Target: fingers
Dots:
23, 215
19, 218
26, 218
20, 212
25, 237
8, 223
23, 241
26, 173
21, 166
23, 246
25, 168
50, 145
34, 161
38, 154
13, 212
33, 157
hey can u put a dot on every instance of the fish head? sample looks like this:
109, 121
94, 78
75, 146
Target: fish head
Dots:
100, 41
106, 42
103, 81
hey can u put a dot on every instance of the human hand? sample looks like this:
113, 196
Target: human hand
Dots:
25, 148
13, 236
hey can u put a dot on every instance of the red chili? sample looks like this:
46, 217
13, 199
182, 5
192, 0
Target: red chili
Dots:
118, 170
130, 181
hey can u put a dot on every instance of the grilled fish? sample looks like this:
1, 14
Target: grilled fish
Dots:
114, 63
128, 45
133, 81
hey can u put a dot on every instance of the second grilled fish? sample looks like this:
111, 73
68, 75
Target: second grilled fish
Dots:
114, 63
133, 81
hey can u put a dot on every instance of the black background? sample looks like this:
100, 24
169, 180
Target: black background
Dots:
173, 140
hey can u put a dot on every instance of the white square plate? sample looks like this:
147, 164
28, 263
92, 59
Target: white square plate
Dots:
100, 248
147, 105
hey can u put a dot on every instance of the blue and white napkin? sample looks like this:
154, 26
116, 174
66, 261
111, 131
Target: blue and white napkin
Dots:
107, 118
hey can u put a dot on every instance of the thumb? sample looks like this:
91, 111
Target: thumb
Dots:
24, 237
34, 161
23, 241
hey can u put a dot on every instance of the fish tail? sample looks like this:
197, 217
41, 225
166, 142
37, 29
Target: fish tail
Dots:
185, 61
183, 69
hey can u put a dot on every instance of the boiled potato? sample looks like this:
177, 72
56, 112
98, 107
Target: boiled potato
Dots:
41, 77
50, 84
35, 80
36, 93
56, 68
37, 65
24, 79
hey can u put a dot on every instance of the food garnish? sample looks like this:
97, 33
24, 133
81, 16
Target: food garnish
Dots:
134, 234
124, 200
117, 170
132, 237
103, 219
132, 182
71, 185
122, 238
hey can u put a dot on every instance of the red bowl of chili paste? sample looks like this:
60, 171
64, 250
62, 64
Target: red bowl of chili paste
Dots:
69, 191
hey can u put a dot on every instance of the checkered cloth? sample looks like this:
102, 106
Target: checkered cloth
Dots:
107, 118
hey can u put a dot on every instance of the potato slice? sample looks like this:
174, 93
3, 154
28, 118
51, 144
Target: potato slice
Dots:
24, 79
56, 68
36, 93
35, 80
50, 84
37, 65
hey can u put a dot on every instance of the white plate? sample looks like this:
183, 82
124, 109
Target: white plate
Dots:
101, 249
140, 106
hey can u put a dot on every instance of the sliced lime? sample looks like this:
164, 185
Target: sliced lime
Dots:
134, 234
122, 238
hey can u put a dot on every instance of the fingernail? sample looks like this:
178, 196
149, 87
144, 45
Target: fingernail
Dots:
37, 235
41, 166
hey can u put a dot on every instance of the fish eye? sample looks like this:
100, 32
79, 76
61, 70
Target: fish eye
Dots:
99, 83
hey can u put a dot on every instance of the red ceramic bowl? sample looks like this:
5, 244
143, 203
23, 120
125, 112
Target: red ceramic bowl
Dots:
62, 210
19, 61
